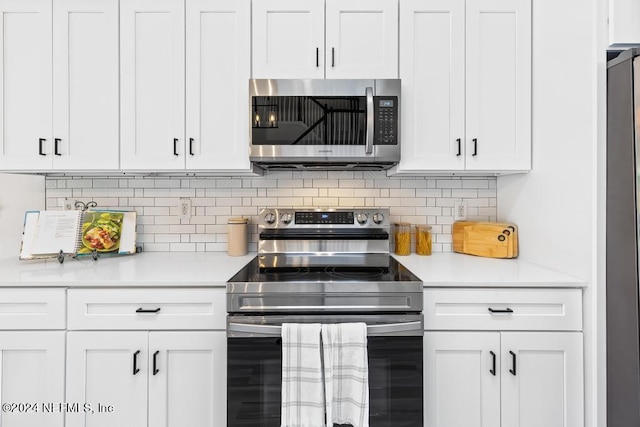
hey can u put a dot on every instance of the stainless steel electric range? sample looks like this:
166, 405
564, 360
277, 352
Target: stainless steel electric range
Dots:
324, 266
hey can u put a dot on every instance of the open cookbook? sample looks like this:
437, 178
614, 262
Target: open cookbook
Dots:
49, 234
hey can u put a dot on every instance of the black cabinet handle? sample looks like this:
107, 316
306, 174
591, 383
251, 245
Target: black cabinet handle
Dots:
175, 146
475, 146
506, 310
513, 362
56, 142
317, 57
40, 147
155, 362
135, 362
459, 141
493, 369
333, 57
143, 310
191, 146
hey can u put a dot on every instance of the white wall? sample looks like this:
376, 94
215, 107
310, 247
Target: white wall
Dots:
18, 193
556, 205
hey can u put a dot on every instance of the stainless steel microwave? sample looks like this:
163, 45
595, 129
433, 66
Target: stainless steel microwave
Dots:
325, 124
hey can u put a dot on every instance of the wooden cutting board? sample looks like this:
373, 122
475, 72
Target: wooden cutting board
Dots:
487, 239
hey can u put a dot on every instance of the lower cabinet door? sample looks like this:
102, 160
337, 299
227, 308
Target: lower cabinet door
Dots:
187, 379
107, 376
542, 379
462, 379
31, 376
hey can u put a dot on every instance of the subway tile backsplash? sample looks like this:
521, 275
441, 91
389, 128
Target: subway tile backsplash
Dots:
419, 200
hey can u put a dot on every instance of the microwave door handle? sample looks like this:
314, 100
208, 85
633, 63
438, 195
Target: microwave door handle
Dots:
369, 135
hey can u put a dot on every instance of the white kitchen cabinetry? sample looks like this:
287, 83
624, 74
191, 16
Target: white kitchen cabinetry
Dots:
466, 85
185, 108
500, 366
129, 349
32, 358
59, 85
338, 39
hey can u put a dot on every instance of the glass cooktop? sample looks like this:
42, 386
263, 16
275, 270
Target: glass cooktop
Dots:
252, 273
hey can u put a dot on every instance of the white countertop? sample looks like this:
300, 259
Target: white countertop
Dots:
189, 269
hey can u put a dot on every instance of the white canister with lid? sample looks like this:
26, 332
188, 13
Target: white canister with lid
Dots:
237, 236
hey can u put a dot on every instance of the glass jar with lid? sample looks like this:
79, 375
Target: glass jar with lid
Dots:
402, 236
423, 240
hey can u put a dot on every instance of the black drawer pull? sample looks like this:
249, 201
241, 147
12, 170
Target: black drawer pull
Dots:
56, 143
493, 369
155, 362
175, 146
40, 150
506, 310
135, 362
513, 362
146, 310
475, 146
459, 141
191, 146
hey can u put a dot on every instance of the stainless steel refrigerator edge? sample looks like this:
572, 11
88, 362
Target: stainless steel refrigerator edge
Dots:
623, 330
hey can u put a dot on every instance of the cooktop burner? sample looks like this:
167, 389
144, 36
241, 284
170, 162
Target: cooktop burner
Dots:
252, 273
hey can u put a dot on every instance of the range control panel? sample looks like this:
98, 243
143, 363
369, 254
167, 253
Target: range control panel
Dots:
385, 128
323, 218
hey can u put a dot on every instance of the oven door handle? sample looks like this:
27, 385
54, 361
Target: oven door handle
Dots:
404, 328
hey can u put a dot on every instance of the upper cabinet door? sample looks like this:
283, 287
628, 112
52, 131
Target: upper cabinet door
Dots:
152, 46
361, 39
498, 85
432, 70
85, 84
25, 87
288, 39
218, 64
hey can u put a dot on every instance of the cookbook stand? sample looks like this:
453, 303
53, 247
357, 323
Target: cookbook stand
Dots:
61, 256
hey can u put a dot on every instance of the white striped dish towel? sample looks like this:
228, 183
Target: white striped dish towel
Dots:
302, 385
346, 372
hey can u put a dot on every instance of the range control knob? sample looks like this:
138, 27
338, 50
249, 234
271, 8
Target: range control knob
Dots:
362, 218
378, 218
270, 218
286, 218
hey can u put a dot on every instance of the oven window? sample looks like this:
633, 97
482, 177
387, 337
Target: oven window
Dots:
308, 120
395, 382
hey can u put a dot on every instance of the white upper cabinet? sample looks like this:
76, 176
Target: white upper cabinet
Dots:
288, 39
26, 85
498, 85
432, 70
361, 39
85, 84
466, 85
170, 122
310, 39
623, 21
60, 85
218, 64
152, 46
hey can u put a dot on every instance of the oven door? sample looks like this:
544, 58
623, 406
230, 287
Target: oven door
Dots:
254, 351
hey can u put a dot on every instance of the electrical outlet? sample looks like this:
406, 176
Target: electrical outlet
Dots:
184, 207
459, 210
69, 204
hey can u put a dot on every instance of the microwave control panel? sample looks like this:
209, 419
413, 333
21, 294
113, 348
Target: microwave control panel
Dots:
385, 110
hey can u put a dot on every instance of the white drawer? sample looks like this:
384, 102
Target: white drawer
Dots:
147, 309
503, 309
32, 308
